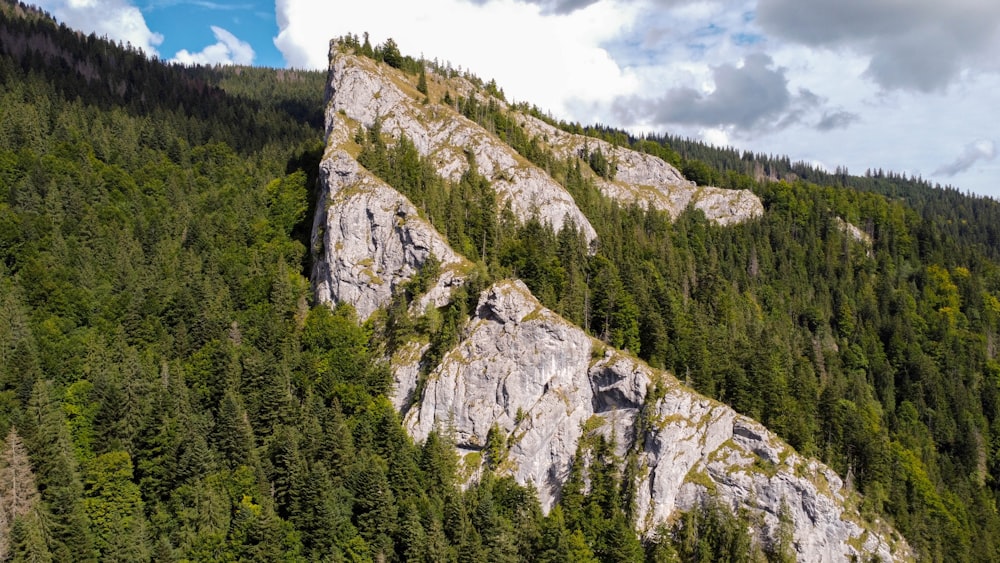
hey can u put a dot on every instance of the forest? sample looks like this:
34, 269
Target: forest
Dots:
169, 390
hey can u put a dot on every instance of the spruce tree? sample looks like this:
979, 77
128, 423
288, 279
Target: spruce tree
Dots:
422, 81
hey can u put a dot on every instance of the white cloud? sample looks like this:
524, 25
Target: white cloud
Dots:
845, 106
849, 83
980, 150
751, 97
717, 137
227, 50
548, 59
116, 19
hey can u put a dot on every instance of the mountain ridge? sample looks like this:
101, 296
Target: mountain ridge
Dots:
175, 391
515, 361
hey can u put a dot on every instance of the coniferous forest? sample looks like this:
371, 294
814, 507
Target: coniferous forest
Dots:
170, 391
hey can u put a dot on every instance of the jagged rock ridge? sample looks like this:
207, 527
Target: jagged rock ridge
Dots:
523, 369
362, 92
649, 180
543, 382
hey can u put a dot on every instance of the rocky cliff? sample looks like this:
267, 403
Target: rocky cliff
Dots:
538, 380
545, 384
368, 240
362, 91
647, 179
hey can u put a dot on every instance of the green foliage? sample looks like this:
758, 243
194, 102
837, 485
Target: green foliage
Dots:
699, 173
179, 398
27, 539
115, 509
389, 53
422, 81
821, 337
598, 162
787, 318
713, 533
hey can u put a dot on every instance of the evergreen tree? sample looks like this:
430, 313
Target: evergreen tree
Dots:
233, 434
114, 506
422, 81
375, 511
69, 534
27, 537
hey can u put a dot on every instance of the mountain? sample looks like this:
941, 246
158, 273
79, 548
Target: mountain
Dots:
519, 374
451, 328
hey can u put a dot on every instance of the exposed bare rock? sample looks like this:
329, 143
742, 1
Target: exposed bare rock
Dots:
647, 179
362, 92
406, 373
531, 374
526, 360
369, 239
542, 382
854, 232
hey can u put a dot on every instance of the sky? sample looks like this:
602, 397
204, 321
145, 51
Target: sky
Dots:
903, 85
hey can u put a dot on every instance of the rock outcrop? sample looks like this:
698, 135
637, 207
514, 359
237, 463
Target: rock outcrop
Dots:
544, 383
540, 381
368, 239
853, 231
362, 92
649, 180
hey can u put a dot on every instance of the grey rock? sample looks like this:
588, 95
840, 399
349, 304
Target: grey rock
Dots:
853, 231
362, 92
518, 368
368, 239
538, 379
542, 381
406, 363
649, 180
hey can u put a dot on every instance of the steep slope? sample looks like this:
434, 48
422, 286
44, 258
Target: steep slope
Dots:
546, 385
649, 180
369, 240
362, 92
540, 384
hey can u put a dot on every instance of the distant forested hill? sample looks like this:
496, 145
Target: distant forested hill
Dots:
169, 391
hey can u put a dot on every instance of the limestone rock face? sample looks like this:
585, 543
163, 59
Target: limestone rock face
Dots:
526, 360
522, 369
369, 239
648, 180
853, 231
361, 92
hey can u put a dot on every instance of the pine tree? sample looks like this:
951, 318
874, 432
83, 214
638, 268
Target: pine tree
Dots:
68, 530
437, 543
559, 545
389, 53
28, 540
413, 538
422, 81
374, 505
366, 47
232, 432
